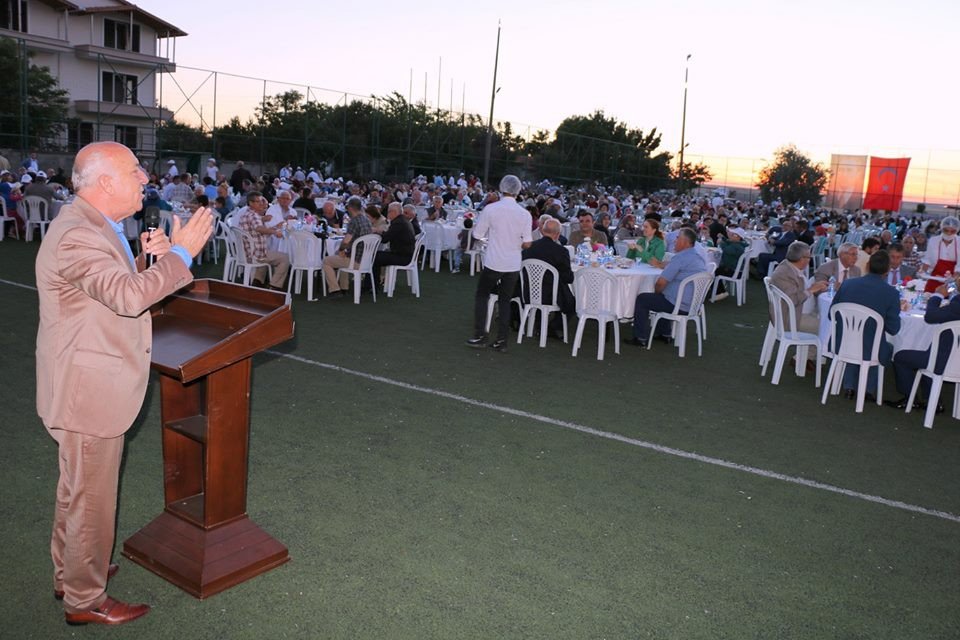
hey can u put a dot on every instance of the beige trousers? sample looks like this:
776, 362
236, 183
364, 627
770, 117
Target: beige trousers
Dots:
281, 265
85, 517
330, 266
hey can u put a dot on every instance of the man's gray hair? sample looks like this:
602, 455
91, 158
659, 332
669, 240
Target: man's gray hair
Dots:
689, 234
798, 250
394, 206
355, 203
551, 227
410, 208
285, 192
85, 175
510, 185
846, 246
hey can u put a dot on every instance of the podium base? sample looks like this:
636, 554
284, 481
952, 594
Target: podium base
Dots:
204, 562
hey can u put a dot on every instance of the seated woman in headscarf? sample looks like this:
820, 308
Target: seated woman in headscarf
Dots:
627, 229
731, 248
650, 245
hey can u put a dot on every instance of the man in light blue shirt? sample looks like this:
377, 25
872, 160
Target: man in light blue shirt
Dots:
685, 263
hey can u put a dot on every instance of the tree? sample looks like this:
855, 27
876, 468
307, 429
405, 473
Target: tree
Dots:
792, 177
694, 175
33, 107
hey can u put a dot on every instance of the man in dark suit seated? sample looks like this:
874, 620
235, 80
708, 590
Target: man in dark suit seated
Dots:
399, 235
873, 292
553, 253
780, 243
908, 361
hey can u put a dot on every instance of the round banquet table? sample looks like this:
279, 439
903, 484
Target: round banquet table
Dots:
630, 283
283, 246
914, 332
758, 243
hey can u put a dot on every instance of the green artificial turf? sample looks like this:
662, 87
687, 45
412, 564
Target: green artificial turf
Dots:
410, 515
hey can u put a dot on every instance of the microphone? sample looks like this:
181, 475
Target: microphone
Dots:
151, 218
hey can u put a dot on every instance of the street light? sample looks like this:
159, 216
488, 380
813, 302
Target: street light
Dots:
683, 125
493, 95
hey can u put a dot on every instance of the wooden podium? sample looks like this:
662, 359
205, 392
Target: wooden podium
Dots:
203, 339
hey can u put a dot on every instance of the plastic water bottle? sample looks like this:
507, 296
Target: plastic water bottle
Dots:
831, 289
585, 250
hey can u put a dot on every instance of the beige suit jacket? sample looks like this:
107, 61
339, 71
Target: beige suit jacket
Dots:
93, 345
786, 278
832, 268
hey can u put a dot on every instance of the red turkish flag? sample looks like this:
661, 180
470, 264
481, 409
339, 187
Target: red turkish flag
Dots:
885, 187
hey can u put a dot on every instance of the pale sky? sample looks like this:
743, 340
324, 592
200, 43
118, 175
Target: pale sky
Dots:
845, 76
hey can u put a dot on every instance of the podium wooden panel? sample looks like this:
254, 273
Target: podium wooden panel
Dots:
203, 339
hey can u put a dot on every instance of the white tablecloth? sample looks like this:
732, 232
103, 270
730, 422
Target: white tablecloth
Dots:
283, 246
451, 233
758, 244
914, 332
630, 283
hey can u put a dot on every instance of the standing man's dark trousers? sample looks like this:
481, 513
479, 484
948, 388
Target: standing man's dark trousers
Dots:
505, 282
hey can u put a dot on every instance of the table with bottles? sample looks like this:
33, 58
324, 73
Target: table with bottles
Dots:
914, 334
632, 277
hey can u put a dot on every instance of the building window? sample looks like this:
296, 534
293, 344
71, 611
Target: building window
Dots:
119, 87
117, 35
126, 136
13, 15
79, 134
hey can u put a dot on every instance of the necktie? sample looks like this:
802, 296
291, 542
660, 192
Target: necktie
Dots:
843, 276
895, 277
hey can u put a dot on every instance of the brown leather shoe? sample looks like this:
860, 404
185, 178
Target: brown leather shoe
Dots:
110, 612
111, 571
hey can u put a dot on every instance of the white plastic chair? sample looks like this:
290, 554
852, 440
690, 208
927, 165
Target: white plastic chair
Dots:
531, 280
230, 242
370, 244
4, 219
951, 373
245, 261
854, 319
475, 251
595, 294
766, 351
35, 211
737, 281
413, 277
770, 267
492, 304
433, 245
790, 337
701, 285
819, 253
306, 257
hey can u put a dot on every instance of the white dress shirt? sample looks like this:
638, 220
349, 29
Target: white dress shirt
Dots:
505, 225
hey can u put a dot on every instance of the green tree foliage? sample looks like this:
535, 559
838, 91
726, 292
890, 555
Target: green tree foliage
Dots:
792, 177
33, 107
694, 175
388, 137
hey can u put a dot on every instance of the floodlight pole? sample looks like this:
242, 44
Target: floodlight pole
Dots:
683, 124
493, 96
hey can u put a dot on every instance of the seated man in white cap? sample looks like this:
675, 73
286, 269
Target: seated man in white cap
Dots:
212, 170
172, 168
39, 187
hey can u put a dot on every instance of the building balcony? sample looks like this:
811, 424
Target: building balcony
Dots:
45, 44
91, 52
106, 109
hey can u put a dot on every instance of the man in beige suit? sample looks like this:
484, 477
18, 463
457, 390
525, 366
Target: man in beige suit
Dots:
93, 359
790, 278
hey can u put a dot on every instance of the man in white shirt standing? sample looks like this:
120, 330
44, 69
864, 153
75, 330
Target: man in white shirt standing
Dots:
505, 226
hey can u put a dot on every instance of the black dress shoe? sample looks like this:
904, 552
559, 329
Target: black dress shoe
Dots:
477, 342
499, 345
635, 342
664, 339
849, 394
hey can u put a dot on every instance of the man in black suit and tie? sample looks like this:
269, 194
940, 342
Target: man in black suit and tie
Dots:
556, 255
908, 361
399, 235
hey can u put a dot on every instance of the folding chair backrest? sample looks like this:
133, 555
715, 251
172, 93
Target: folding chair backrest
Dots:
595, 290
782, 306
701, 286
370, 243
742, 265
532, 273
305, 249
950, 331
36, 208
849, 323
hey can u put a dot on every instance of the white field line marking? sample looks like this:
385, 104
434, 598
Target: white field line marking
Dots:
680, 453
659, 448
